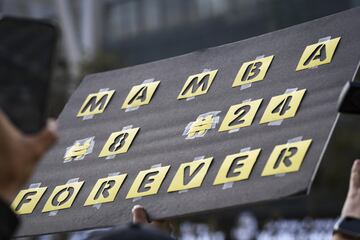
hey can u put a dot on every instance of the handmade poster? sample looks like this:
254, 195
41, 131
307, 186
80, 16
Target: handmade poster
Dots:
235, 124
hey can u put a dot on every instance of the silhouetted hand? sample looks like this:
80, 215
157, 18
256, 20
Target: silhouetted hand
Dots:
140, 216
351, 206
352, 203
19, 154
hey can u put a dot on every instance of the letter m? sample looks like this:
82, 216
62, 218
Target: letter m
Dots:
95, 103
197, 84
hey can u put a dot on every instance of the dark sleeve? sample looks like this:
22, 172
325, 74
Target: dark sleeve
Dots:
132, 232
8, 221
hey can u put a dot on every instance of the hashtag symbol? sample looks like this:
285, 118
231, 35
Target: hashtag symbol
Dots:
200, 126
77, 150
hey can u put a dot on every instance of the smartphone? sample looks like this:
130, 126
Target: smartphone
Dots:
27, 51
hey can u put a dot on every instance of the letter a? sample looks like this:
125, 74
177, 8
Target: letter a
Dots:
318, 54
140, 95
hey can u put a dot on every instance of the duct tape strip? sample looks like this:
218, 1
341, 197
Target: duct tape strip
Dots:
87, 117
97, 206
127, 127
291, 140
123, 129
72, 180
156, 165
296, 139
279, 122
53, 213
35, 185
245, 149
183, 191
234, 130
237, 129
130, 109
245, 86
92, 116
113, 174
199, 158
290, 90
324, 39
260, 57
229, 185
247, 100
150, 80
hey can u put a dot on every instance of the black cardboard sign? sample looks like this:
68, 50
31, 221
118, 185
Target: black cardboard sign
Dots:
262, 114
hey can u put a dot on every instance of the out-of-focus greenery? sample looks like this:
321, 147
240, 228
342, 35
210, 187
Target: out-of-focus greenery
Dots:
102, 61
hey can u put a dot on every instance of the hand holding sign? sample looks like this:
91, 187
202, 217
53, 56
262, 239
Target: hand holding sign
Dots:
19, 155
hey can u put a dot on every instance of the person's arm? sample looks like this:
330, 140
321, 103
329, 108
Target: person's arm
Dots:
8, 220
351, 206
19, 155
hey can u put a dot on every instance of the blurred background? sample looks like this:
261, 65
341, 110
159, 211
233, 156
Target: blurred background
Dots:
100, 35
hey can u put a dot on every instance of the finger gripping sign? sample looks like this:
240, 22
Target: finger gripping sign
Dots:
236, 124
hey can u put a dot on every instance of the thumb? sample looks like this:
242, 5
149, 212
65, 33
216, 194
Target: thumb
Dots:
139, 215
46, 137
355, 175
